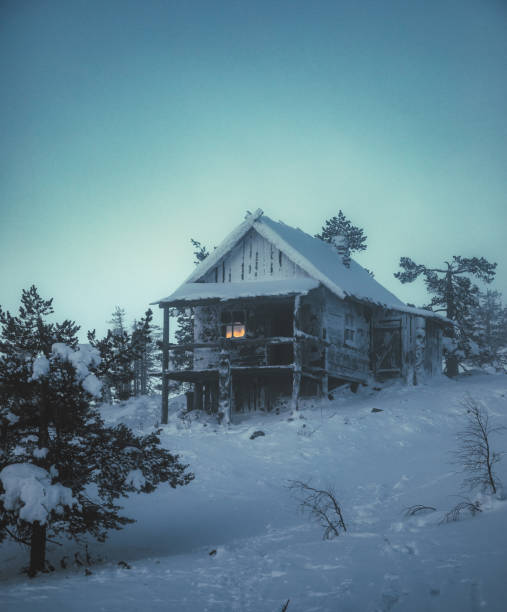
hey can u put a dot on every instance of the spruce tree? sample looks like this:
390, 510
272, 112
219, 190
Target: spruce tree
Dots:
62, 471
200, 251
488, 330
144, 352
117, 321
116, 369
341, 226
453, 294
184, 333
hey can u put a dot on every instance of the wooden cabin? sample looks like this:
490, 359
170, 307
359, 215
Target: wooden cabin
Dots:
279, 314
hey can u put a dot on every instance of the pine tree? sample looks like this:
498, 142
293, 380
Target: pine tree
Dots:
200, 251
341, 226
488, 330
144, 352
184, 333
117, 321
62, 471
453, 294
116, 369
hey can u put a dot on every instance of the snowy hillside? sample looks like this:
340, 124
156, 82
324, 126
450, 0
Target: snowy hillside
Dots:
236, 540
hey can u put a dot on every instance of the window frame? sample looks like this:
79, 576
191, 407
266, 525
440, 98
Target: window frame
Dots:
230, 322
349, 331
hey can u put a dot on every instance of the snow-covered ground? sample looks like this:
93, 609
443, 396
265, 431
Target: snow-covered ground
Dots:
239, 505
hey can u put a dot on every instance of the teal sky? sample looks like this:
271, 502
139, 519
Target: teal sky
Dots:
126, 128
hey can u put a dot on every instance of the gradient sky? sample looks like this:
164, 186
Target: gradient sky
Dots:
126, 128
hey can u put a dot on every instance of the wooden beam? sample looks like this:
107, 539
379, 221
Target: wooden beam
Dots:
298, 357
306, 374
198, 395
224, 388
165, 366
324, 383
233, 343
420, 346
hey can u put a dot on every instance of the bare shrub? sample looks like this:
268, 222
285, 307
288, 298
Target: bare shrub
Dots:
475, 453
413, 510
322, 505
456, 513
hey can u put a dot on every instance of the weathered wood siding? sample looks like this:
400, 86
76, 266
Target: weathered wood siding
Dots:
433, 349
206, 329
420, 345
399, 331
311, 312
346, 357
253, 258
408, 347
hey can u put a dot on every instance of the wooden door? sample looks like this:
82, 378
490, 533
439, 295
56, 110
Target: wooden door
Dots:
386, 347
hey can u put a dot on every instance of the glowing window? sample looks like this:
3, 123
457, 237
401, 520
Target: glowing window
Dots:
233, 324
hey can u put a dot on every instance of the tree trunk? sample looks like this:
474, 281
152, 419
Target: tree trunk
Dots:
165, 366
224, 388
451, 361
37, 549
451, 366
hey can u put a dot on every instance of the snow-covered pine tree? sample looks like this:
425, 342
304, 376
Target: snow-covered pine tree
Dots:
62, 470
104, 369
341, 226
453, 294
116, 369
488, 330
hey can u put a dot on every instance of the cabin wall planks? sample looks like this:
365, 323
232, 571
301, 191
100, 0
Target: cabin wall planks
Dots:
253, 258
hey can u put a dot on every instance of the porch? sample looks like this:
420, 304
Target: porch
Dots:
248, 354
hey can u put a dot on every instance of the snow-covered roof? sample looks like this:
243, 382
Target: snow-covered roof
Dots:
189, 292
317, 258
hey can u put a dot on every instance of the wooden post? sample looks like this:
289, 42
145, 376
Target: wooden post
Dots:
198, 393
165, 366
420, 345
224, 388
407, 348
261, 385
298, 357
324, 384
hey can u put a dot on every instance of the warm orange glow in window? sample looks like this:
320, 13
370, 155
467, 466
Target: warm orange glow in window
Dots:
239, 330
233, 324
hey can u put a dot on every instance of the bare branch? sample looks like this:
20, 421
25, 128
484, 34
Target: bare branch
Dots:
465, 506
413, 510
322, 505
475, 453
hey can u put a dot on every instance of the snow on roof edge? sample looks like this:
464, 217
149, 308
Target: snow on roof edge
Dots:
189, 292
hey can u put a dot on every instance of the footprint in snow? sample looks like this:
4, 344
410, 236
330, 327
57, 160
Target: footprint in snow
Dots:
390, 594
